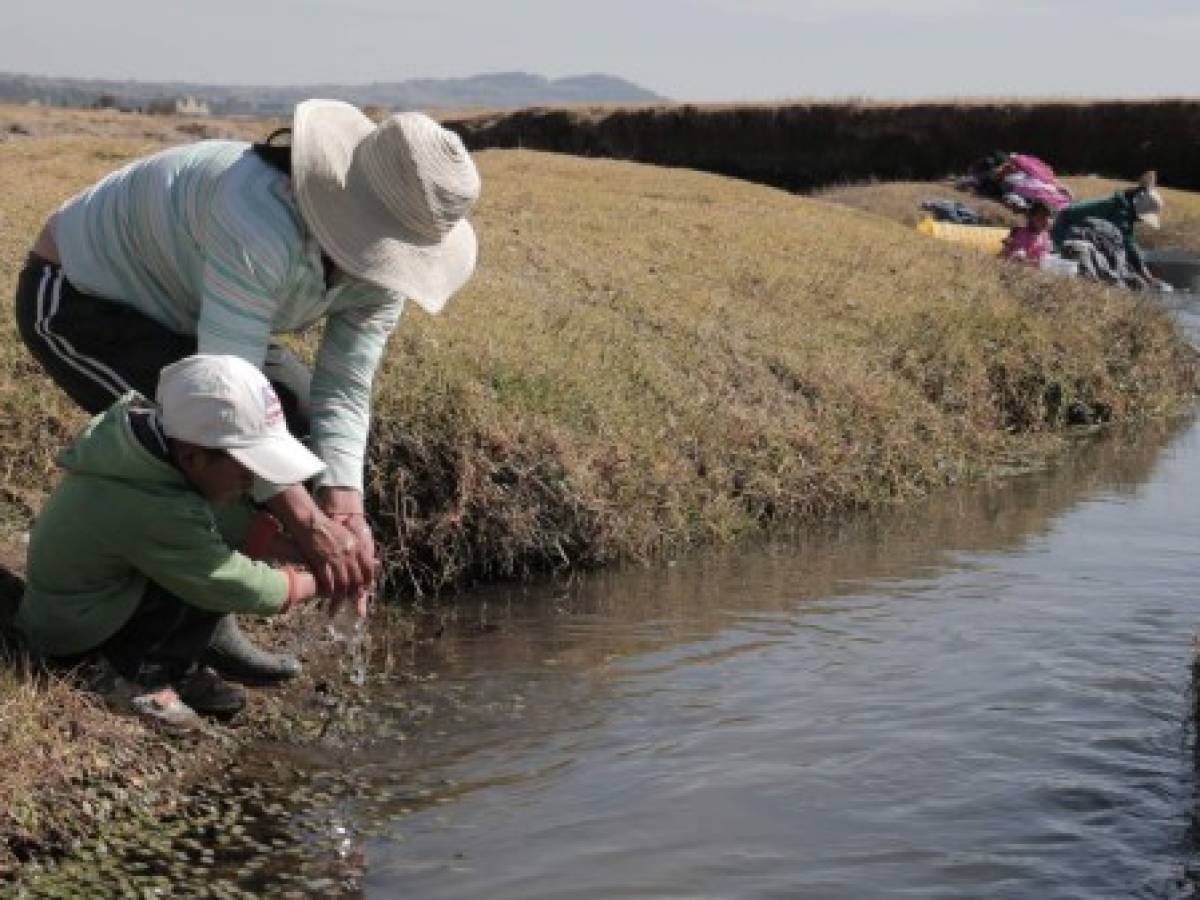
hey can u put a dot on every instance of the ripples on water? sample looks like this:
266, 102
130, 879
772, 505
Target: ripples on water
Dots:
988, 697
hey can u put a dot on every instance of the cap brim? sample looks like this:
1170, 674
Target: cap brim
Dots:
280, 460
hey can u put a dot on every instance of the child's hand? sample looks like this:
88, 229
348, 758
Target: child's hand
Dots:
301, 586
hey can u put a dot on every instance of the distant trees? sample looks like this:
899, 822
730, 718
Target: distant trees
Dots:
511, 89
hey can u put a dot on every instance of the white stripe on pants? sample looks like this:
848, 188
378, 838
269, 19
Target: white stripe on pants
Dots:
92, 369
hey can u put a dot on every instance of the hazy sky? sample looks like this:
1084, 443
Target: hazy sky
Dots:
685, 49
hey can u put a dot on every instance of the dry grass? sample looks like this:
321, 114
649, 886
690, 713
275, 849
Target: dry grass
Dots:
18, 121
56, 742
65, 762
650, 359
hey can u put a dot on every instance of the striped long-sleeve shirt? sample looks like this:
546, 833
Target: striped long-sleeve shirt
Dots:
207, 239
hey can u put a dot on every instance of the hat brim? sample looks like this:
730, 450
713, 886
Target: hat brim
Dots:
280, 459
354, 227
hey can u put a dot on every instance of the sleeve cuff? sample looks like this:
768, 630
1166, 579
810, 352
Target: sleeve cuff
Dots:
341, 470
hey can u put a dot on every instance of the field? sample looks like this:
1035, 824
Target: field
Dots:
646, 361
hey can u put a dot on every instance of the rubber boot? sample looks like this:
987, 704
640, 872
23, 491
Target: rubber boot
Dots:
231, 653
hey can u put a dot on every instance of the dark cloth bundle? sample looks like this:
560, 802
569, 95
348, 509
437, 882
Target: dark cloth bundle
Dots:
1099, 248
951, 211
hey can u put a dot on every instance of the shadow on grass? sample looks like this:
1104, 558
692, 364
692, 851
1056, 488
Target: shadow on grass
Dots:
11, 646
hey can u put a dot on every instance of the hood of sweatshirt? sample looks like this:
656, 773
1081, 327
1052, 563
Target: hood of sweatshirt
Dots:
108, 448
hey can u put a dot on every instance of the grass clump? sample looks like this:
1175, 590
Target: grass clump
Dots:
67, 762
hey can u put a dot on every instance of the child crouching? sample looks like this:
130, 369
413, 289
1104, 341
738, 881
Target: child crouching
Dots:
1031, 241
126, 559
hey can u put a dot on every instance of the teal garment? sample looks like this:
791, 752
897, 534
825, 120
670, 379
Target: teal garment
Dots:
121, 517
1117, 209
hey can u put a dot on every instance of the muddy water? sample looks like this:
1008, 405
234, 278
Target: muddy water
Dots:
989, 696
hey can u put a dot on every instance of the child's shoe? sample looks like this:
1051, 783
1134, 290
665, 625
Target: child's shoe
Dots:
207, 692
164, 707
232, 654
161, 706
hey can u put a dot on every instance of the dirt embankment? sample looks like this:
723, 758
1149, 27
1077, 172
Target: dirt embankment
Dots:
804, 146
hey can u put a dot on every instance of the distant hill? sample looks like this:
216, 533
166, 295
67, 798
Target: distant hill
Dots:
503, 89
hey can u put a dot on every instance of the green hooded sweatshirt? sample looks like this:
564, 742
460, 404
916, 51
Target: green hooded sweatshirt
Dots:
119, 518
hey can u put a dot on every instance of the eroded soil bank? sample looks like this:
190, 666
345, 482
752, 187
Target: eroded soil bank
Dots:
806, 145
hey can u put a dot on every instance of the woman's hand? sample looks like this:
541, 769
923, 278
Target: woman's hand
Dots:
344, 505
342, 562
333, 553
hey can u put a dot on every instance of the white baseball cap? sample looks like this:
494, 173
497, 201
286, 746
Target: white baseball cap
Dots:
225, 403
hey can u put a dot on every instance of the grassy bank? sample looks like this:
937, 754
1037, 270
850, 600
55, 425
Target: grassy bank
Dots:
647, 360
652, 359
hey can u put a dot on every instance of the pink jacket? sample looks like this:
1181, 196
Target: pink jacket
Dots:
1033, 245
1033, 166
1035, 180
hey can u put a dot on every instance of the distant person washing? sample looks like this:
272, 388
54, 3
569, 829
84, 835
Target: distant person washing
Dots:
1030, 242
1122, 210
127, 562
218, 246
1018, 180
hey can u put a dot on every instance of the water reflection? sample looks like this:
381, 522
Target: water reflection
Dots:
788, 582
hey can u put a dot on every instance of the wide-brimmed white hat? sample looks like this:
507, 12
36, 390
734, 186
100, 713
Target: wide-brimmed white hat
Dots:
387, 202
225, 403
1148, 202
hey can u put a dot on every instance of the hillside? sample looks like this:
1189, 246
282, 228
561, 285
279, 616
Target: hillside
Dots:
495, 91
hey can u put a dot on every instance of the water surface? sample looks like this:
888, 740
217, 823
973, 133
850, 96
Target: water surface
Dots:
988, 696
